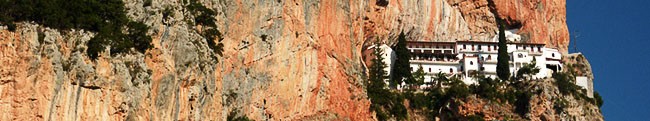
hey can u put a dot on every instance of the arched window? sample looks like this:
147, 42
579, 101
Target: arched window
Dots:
553, 55
451, 70
489, 57
471, 63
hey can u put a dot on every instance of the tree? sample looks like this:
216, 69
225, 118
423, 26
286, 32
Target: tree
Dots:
402, 69
377, 72
527, 71
383, 102
441, 79
598, 99
418, 76
503, 66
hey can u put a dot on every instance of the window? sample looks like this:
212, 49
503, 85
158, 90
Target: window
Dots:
489, 48
472, 47
451, 70
471, 63
464, 46
429, 69
489, 57
553, 55
520, 55
539, 49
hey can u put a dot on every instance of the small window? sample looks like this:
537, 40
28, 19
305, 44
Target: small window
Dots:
429, 69
479, 47
520, 55
553, 55
451, 70
539, 49
471, 63
464, 46
489, 57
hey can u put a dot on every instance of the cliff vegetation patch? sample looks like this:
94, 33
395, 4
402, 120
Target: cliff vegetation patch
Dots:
106, 17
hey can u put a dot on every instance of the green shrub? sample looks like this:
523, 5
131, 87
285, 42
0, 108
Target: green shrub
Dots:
598, 99
565, 83
522, 105
205, 17
106, 17
233, 116
475, 118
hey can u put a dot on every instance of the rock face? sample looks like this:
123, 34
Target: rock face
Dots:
282, 60
450, 20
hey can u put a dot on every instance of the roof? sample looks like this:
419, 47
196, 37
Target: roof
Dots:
489, 42
431, 42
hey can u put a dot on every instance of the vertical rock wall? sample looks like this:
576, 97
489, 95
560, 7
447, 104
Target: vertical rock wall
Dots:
282, 59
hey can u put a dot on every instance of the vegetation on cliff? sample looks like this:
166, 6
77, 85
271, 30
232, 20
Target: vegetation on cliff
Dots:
401, 71
385, 103
447, 97
106, 17
503, 67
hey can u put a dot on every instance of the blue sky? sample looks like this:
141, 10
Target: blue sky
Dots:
614, 38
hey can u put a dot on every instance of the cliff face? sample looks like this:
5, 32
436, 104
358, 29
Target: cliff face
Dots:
450, 20
282, 60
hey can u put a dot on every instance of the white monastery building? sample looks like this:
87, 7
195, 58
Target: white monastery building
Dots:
467, 58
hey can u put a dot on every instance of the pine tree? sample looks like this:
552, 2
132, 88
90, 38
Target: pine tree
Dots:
377, 72
503, 68
377, 94
528, 70
401, 71
418, 76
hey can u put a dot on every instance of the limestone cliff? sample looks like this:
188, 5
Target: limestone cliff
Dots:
282, 59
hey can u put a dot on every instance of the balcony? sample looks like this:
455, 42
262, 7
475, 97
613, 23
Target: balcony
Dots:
456, 62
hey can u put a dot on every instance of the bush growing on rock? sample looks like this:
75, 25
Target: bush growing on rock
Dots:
105, 17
